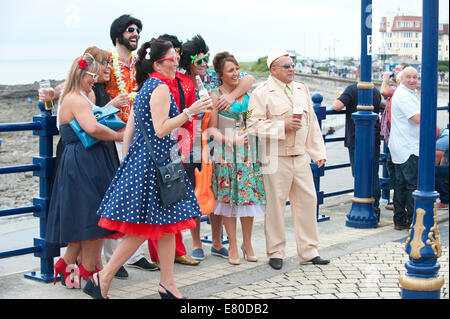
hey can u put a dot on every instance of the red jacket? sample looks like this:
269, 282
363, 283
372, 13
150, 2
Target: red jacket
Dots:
186, 141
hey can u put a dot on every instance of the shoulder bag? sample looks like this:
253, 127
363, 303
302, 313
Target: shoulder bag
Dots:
106, 115
169, 177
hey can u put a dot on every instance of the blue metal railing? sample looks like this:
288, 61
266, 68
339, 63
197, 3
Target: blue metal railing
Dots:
44, 126
385, 181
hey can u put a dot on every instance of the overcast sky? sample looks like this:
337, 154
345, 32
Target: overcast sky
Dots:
59, 29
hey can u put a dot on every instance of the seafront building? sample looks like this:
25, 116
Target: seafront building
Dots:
401, 36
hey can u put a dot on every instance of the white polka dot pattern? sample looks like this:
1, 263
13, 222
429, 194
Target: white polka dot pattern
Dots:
133, 195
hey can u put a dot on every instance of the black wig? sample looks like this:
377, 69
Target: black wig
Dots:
173, 39
190, 48
120, 24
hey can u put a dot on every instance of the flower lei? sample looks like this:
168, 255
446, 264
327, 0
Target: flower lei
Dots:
118, 74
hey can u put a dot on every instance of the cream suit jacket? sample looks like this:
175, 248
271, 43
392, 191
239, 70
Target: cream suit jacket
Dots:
269, 106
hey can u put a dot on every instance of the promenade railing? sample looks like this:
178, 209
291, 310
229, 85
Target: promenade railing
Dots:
385, 181
44, 126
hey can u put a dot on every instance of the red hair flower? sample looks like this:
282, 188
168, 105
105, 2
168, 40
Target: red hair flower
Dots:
82, 64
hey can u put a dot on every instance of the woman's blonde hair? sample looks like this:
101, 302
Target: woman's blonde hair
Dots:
98, 54
73, 82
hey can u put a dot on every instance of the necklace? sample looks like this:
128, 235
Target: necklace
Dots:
119, 76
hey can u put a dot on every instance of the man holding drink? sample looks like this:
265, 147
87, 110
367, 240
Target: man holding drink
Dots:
282, 113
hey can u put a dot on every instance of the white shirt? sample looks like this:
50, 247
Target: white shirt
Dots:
405, 134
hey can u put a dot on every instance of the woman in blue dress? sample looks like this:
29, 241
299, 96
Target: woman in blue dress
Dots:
82, 177
132, 204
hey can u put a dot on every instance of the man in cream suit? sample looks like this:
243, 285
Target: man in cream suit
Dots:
271, 109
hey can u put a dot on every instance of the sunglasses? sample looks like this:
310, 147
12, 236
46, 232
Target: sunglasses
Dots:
132, 29
106, 63
174, 59
287, 65
197, 62
94, 75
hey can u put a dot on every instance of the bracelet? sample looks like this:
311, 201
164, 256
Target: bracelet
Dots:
188, 114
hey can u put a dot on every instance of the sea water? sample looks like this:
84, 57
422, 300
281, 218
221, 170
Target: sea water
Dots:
28, 71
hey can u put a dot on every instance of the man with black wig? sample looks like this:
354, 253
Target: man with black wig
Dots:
124, 33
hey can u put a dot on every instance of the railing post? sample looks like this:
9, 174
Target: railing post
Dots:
423, 246
362, 214
320, 111
46, 161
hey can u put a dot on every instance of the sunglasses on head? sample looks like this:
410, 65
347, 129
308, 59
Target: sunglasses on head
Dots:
197, 62
132, 29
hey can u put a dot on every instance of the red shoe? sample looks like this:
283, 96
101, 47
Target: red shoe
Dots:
60, 268
67, 272
86, 274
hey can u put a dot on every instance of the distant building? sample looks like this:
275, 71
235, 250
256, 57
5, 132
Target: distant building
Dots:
401, 36
443, 42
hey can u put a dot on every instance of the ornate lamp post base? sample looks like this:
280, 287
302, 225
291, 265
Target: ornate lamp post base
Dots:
362, 215
420, 288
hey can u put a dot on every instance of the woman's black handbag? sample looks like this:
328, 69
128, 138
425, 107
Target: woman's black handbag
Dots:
169, 177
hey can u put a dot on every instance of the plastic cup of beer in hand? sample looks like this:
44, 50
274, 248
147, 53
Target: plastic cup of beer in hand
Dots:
297, 113
45, 85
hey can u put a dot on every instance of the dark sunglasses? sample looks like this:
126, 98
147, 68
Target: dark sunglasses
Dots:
132, 29
106, 63
287, 65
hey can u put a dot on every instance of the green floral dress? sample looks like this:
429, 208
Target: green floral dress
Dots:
237, 181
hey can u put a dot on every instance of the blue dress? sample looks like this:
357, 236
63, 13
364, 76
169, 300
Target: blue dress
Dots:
131, 204
81, 180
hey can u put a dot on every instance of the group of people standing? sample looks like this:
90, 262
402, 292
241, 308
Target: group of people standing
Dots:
398, 103
107, 195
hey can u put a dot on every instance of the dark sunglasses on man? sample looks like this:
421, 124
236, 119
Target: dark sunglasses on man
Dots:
132, 29
287, 65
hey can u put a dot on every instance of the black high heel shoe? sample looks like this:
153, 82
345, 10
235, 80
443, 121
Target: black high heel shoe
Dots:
168, 294
92, 290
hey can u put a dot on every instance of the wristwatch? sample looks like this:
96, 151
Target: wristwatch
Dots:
188, 114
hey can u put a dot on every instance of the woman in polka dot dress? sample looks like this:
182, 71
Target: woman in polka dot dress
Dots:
131, 204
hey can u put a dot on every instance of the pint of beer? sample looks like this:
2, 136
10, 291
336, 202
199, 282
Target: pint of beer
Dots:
297, 112
45, 84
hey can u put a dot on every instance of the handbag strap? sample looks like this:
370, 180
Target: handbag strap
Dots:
147, 141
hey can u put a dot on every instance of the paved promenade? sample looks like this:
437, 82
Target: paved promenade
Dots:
365, 263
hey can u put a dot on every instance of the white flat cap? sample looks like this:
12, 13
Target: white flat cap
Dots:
275, 54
